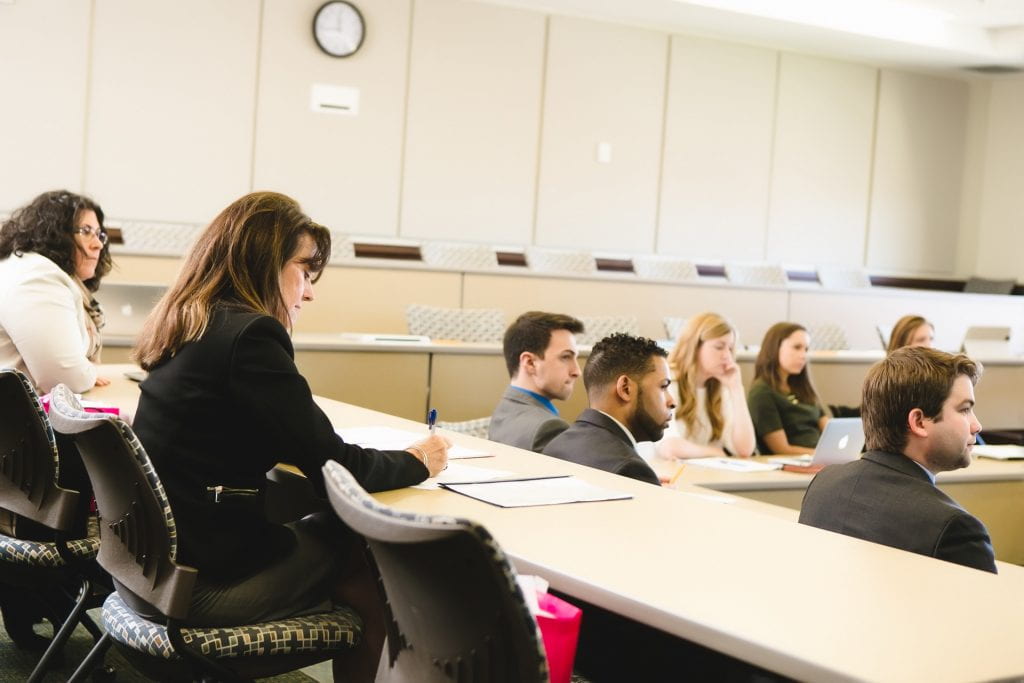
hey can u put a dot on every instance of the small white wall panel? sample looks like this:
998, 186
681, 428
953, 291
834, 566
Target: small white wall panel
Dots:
604, 84
171, 113
473, 122
718, 139
344, 170
1001, 232
918, 173
822, 158
43, 57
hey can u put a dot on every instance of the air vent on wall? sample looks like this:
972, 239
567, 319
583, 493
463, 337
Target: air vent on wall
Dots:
995, 69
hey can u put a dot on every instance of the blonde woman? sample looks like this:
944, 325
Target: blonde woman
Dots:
911, 330
712, 418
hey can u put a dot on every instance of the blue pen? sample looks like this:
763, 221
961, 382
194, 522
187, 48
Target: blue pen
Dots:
432, 419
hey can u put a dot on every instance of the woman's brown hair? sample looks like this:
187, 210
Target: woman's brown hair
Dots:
766, 366
698, 329
903, 331
237, 260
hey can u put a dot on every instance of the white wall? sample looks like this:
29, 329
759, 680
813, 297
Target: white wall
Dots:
479, 122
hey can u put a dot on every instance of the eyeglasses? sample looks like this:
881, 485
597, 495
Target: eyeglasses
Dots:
87, 232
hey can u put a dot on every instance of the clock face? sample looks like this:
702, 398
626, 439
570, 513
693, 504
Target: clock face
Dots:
338, 28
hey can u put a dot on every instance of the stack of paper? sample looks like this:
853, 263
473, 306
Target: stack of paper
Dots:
529, 492
390, 439
735, 464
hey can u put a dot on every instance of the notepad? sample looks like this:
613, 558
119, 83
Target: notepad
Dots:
391, 439
458, 473
534, 492
999, 451
735, 464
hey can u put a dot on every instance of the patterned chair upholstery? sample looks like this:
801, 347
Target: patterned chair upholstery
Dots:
542, 260
477, 427
673, 326
29, 488
828, 337
343, 249
841, 277
765, 275
138, 547
597, 327
459, 324
458, 256
665, 268
492, 637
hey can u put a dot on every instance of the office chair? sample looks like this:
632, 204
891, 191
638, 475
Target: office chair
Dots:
138, 547
459, 324
477, 427
773, 275
459, 256
597, 327
455, 613
665, 268
542, 260
29, 465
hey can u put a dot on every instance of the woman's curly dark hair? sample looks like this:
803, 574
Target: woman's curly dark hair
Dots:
46, 227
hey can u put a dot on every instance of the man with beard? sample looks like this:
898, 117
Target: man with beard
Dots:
627, 382
918, 412
541, 356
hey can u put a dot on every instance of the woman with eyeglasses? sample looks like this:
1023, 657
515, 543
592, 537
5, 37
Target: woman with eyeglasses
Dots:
53, 254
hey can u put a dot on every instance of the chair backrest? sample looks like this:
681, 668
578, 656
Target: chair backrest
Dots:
560, 261
455, 610
665, 268
460, 324
459, 256
343, 249
828, 337
477, 427
842, 277
673, 326
597, 327
756, 274
138, 540
29, 463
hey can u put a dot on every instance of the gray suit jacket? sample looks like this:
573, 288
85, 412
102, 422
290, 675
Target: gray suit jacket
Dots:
597, 441
521, 421
887, 498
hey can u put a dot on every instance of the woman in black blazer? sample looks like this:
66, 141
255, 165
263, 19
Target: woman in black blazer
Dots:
224, 403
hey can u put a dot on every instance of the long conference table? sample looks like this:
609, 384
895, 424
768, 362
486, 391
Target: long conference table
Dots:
733, 574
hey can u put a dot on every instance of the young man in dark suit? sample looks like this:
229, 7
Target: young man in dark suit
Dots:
627, 382
540, 352
918, 412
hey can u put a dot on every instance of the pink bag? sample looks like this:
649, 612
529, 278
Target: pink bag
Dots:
87, 406
560, 633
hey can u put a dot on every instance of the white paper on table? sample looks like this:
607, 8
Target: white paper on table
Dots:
711, 497
734, 464
999, 451
457, 473
391, 439
529, 492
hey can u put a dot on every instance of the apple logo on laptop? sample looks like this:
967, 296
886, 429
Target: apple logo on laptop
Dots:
843, 441
126, 310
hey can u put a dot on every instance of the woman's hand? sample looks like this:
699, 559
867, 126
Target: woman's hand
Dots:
732, 379
102, 382
432, 452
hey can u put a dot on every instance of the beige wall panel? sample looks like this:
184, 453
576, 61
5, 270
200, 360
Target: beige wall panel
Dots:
171, 114
157, 270
973, 178
393, 383
604, 84
819, 196
345, 170
473, 122
350, 299
718, 141
752, 310
43, 56
1001, 239
918, 173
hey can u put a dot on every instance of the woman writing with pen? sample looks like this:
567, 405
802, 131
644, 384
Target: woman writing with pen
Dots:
224, 403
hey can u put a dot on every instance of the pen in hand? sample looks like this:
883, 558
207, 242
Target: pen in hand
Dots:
432, 420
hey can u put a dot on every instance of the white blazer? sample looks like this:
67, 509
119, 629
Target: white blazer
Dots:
43, 329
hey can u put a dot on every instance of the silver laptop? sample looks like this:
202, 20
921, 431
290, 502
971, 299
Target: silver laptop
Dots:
125, 306
987, 342
842, 441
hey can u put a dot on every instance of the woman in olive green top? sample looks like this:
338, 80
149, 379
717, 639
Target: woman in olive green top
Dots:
787, 415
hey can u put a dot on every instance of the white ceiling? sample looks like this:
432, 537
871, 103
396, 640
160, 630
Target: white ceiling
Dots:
939, 35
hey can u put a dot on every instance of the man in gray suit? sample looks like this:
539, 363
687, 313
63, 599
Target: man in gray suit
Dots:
918, 412
540, 353
627, 382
